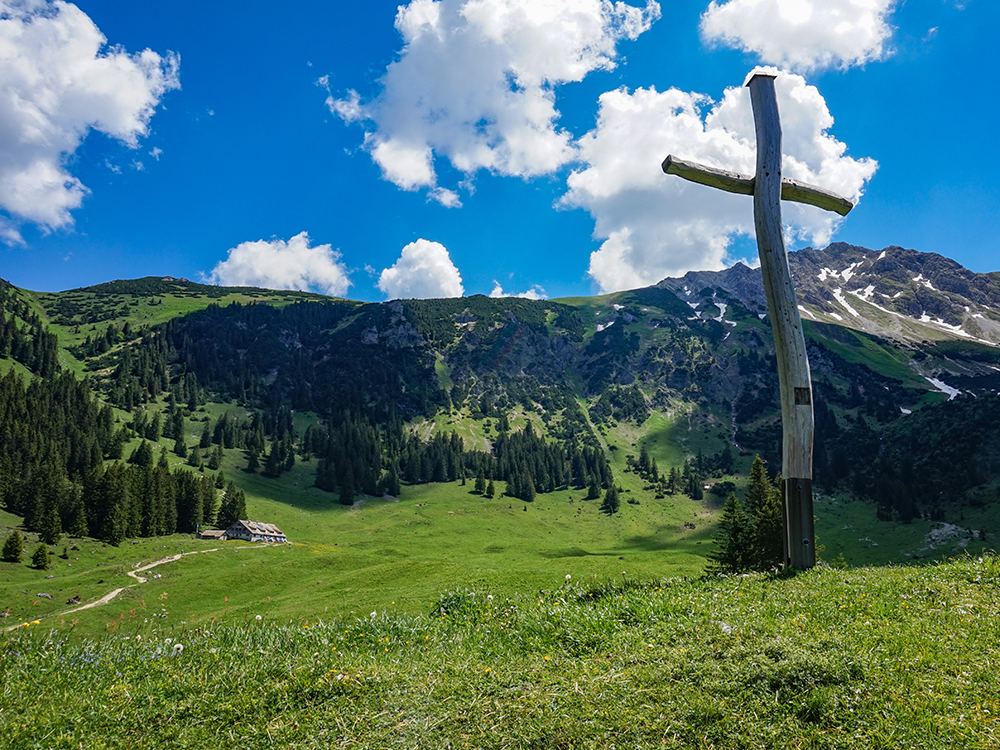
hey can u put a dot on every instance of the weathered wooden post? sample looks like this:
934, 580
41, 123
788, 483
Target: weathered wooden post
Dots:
768, 189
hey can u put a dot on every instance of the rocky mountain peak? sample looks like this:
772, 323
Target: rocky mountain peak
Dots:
895, 293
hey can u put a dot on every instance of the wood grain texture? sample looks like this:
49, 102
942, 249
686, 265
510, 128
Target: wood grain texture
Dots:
800, 192
734, 182
731, 182
789, 341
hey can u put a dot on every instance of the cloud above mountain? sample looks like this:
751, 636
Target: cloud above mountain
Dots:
474, 88
654, 225
535, 292
276, 264
424, 271
474, 84
802, 35
58, 81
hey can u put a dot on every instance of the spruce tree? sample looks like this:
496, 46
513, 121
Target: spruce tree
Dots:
480, 482
143, 455
347, 490
392, 484
643, 460
40, 559
51, 527
180, 447
176, 424
673, 481
611, 503
759, 487
155, 428
528, 489
769, 530
215, 458
233, 508
13, 548
272, 468
78, 516
491, 490
733, 551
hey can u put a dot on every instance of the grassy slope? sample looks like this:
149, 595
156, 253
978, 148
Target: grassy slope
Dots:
139, 313
379, 554
899, 657
344, 562
402, 555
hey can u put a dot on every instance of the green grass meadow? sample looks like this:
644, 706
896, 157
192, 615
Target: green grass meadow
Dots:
892, 657
399, 555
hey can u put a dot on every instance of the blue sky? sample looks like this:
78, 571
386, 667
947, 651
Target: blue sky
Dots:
472, 146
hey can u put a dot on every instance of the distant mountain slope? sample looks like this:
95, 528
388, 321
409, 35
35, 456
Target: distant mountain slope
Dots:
893, 293
682, 368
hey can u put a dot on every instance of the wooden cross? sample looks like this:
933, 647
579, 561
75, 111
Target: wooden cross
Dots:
768, 189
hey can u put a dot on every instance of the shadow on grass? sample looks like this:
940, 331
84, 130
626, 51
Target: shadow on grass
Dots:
660, 543
555, 554
644, 543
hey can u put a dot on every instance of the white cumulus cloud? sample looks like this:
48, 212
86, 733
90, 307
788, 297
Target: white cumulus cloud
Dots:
424, 271
58, 81
536, 292
276, 264
475, 82
802, 34
656, 225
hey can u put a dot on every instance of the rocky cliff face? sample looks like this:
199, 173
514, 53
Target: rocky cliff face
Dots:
898, 293
894, 293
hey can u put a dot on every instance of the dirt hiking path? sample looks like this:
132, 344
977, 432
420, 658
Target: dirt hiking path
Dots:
132, 574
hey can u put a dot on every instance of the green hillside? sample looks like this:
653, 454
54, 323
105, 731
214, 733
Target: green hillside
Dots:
413, 608
289, 398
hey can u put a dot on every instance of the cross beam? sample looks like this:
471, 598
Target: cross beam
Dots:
734, 182
768, 189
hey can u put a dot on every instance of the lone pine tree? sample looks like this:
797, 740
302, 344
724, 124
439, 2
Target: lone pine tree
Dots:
732, 540
750, 531
13, 548
611, 502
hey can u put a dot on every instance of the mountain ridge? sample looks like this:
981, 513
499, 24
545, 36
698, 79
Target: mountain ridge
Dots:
896, 293
683, 369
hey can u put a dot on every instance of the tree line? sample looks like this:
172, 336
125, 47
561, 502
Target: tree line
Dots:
61, 469
23, 336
